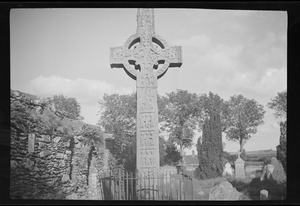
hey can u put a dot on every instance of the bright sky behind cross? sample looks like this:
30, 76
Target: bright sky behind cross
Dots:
227, 52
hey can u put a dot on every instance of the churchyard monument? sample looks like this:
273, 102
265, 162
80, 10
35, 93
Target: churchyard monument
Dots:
146, 57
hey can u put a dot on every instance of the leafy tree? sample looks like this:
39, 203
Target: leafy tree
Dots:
179, 116
212, 103
242, 119
68, 106
281, 148
279, 104
173, 156
118, 117
162, 151
210, 149
30, 113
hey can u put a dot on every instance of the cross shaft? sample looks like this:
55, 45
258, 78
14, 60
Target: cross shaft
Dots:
146, 57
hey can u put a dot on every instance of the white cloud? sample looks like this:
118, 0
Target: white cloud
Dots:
86, 91
200, 43
234, 27
272, 81
222, 58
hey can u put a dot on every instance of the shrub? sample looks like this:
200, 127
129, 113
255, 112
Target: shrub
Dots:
281, 148
210, 150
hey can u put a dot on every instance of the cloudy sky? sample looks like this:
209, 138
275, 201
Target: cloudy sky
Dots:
228, 52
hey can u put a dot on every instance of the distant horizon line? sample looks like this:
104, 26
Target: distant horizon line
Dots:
249, 152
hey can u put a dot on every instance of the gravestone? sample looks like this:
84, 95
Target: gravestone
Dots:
278, 173
146, 57
224, 191
227, 170
239, 167
264, 195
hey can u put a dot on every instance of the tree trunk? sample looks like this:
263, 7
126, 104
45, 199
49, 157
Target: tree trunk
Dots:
181, 153
181, 150
241, 145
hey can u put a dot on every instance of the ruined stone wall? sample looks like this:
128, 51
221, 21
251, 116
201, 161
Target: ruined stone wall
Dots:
53, 166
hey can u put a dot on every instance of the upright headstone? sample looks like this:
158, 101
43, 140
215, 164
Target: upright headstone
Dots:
264, 195
146, 57
239, 167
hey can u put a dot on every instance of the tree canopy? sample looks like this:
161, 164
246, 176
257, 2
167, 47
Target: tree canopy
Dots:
179, 117
279, 104
210, 148
68, 106
118, 117
212, 103
242, 119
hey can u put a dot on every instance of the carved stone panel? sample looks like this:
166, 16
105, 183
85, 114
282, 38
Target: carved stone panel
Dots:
148, 161
147, 121
147, 104
147, 80
147, 140
173, 54
146, 92
117, 55
146, 57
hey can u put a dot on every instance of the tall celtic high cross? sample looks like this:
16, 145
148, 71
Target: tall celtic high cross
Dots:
146, 57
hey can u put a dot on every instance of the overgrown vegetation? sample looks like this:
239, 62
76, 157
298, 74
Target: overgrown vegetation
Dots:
181, 114
252, 187
30, 113
118, 117
279, 105
248, 187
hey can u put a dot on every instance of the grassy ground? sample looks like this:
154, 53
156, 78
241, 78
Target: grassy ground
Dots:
249, 187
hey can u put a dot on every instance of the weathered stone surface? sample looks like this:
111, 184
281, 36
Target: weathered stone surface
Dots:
65, 178
31, 138
81, 190
147, 55
68, 152
56, 139
73, 196
36, 168
201, 193
28, 163
67, 144
23, 137
60, 155
78, 138
45, 153
239, 167
13, 164
46, 138
224, 191
264, 195
51, 182
278, 173
79, 145
62, 163
60, 129
41, 145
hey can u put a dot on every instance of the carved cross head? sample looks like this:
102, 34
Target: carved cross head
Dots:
145, 51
